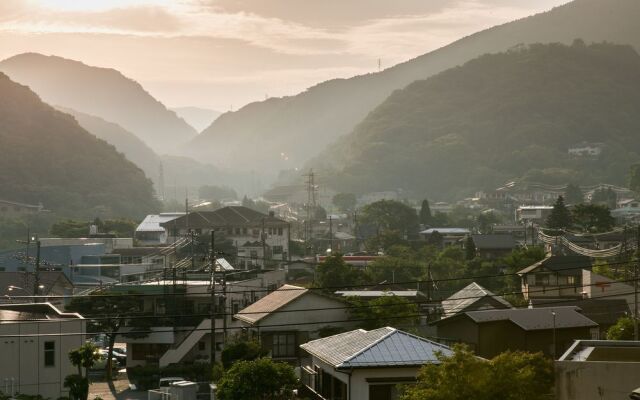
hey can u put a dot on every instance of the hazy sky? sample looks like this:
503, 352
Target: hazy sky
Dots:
224, 53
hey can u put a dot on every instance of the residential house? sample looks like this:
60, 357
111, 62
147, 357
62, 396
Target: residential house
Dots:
536, 214
36, 341
290, 316
605, 312
366, 365
627, 210
554, 277
598, 370
449, 236
151, 233
239, 224
597, 286
12, 209
491, 332
472, 298
494, 246
53, 287
184, 307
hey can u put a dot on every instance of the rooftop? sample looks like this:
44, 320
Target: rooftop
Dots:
569, 265
461, 231
467, 296
504, 242
22, 283
223, 217
378, 293
269, 303
532, 319
12, 313
151, 223
384, 347
603, 350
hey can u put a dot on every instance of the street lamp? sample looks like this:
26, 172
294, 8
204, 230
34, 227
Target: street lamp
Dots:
553, 313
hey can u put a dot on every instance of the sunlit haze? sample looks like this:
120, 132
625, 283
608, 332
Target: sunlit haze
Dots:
226, 53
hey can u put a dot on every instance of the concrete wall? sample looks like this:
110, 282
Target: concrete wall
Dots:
360, 386
596, 380
23, 356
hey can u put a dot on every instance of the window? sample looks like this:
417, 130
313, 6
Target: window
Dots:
237, 231
284, 345
277, 250
280, 231
49, 354
201, 346
245, 231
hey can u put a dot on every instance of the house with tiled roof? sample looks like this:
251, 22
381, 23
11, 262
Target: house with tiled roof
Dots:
550, 330
243, 227
473, 297
364, 365
290, 316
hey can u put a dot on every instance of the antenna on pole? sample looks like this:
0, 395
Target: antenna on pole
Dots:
311, 205
379, 64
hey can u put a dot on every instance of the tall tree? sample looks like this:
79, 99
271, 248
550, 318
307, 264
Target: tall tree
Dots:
573, 194
634, 178
560, 217
390, 215
333, 272
622, 330
605, 196
470, 248
261, 379
592, 218
345, 202
385, 311
425, 212
112, 311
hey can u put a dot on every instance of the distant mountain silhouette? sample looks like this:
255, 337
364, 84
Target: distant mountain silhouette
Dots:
302, 126
199, 118
498, 118
47, 157
102, 92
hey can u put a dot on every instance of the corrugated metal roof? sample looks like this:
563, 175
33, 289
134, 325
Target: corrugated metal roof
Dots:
376, 348
464, 298
269, 303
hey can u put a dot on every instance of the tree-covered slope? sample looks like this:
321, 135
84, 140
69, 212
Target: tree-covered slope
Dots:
124, 141
47, 157
302, 126
102, 92
499, 117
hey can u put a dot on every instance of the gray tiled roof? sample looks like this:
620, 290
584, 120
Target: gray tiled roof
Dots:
467, 296
494, 242
566, 265
375, 348
531, 319
224, 217
11, 313
269, 303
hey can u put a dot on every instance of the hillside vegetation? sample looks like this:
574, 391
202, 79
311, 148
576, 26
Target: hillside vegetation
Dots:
499, 117
102, 92
49, 158
302, 126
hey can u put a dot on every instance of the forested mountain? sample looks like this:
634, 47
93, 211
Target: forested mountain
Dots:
499, 117
199, 118
49, 158
102, 92
301, 126
124, 141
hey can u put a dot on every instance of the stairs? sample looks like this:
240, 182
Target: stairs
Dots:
177, 353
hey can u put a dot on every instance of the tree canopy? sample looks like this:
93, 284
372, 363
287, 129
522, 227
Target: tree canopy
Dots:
345, 202
463, 376
560, 217
592, 218
390, 215
261, 379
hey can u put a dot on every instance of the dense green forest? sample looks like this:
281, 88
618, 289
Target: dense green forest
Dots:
301, 126
49, 158
500, 117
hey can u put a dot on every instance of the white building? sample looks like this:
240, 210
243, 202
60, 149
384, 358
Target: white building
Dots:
586, 149
364, 365
36, 339
151, 233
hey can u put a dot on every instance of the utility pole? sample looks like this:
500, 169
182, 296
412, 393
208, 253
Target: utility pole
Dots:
36, 281
635, 287
264, 246
212, 332
553, 314
331, 234
224, 307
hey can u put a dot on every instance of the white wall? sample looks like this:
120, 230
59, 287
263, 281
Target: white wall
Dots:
596, 380
24, 355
